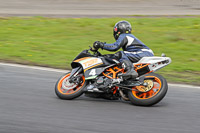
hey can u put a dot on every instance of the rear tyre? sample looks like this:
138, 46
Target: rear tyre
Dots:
68, 91
157, 92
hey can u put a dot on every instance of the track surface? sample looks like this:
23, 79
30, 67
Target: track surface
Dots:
98, 8
28, 104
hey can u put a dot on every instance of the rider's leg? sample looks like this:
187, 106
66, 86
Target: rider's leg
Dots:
130, 72
127, 65
132, 57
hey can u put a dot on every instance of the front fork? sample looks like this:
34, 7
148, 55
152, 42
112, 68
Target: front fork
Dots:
75, 75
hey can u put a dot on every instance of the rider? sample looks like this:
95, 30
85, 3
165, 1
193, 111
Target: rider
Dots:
133, 48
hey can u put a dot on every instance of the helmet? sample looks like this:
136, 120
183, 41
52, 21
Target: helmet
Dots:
121, 27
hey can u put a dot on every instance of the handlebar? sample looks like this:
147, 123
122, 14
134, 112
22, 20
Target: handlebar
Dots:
95, 51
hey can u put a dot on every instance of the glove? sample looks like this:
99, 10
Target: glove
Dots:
98, 44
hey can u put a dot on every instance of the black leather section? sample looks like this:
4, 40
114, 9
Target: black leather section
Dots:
133, 59
118, 55
138, 45
135, 43
123, 42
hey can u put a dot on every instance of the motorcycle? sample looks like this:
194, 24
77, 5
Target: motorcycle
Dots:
98, 75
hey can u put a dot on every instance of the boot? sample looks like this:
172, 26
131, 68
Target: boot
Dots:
130, 72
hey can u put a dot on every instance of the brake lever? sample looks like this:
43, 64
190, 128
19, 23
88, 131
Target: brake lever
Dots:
93, 50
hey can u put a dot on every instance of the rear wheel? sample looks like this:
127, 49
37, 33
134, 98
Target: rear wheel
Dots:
66, 90
154, 92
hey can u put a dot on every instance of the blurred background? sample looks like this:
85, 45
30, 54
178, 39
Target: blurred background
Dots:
52, 32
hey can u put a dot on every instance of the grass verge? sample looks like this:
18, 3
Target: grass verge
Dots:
54, 42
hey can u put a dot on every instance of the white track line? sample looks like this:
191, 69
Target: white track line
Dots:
64, 71
184, 86
35, 67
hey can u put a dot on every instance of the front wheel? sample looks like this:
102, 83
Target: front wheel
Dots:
66, 90
155, 91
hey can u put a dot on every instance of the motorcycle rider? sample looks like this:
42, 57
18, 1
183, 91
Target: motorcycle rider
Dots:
133, 48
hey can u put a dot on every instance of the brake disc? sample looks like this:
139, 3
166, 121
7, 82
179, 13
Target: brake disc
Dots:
67, 85
146, 88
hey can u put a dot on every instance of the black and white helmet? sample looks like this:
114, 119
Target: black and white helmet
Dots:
121, 27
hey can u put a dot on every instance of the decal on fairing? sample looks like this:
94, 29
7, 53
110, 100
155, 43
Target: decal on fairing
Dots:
93, 73
90, 63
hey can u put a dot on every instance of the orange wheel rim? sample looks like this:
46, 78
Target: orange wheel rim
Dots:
146, 95
70, 91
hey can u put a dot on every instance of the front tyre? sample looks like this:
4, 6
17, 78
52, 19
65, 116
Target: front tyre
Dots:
66, 90
158, 90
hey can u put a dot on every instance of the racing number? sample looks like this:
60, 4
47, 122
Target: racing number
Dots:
92, 72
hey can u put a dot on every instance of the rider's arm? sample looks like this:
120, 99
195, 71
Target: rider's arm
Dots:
121, 41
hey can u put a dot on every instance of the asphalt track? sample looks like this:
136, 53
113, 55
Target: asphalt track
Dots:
28, 104
98, 8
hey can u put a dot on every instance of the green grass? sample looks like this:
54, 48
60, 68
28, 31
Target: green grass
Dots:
54, 42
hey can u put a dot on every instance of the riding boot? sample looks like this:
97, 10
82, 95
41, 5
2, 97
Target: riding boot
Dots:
130, 72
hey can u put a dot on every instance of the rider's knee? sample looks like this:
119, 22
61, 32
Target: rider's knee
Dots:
118, 55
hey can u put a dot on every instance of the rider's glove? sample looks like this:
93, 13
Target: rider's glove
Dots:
98, 44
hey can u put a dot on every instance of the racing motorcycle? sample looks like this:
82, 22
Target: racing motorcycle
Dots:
99, 75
